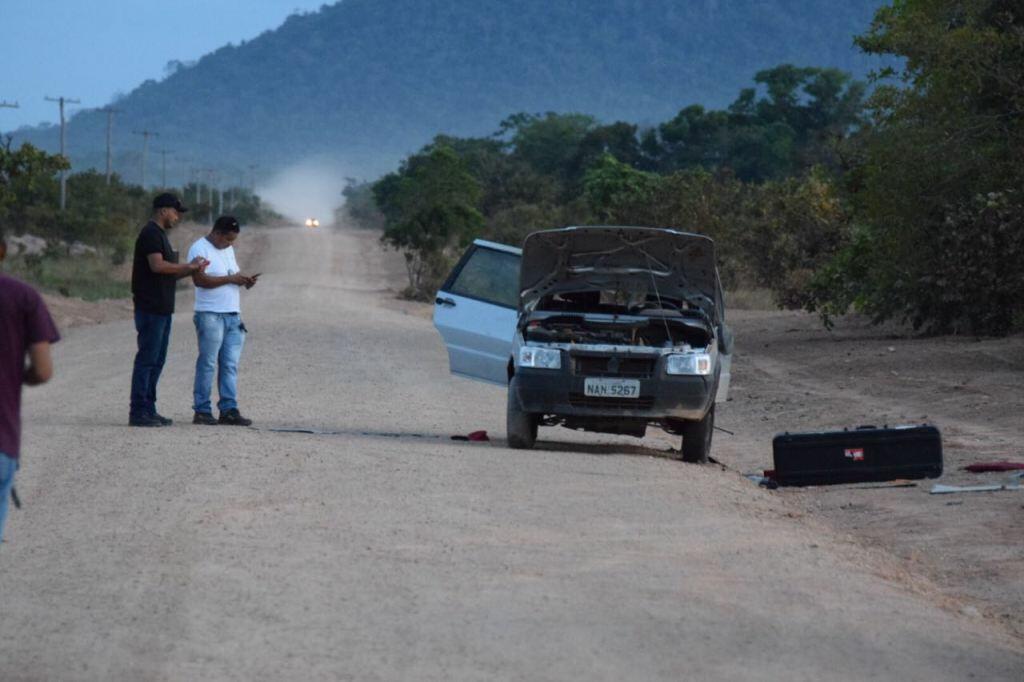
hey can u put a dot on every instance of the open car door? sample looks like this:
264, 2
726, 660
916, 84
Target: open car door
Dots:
725, 341
476, 310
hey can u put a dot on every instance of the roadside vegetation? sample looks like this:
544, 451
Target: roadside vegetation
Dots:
901, 201
86, 246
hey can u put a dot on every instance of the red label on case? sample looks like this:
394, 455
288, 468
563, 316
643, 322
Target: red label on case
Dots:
856, 454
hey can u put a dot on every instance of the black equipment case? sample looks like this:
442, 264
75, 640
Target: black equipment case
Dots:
866, 453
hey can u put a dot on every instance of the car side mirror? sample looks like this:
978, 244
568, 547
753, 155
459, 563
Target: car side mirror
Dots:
725, 340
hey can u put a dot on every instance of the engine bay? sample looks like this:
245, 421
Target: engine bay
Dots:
608, 318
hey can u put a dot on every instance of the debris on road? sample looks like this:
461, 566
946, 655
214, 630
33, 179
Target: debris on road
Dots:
984, 467
882, 486
371, 434
474, 436
1012, 484
763, 481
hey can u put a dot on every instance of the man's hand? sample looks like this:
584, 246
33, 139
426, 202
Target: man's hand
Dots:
252, 280
239, 279
161, 267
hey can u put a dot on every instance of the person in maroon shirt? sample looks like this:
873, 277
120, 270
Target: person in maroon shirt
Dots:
26, 330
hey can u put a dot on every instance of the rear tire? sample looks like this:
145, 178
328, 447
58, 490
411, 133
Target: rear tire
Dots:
520, 427
697, 438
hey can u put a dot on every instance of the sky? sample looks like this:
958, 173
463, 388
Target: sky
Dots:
91, 50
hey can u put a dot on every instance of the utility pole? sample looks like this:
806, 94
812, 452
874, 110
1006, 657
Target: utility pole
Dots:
163, 168
220, 196
192, 178
109, 111
211, 176
252, 177
63, 174
185, 167
146, 134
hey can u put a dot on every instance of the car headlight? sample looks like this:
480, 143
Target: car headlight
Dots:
540, 358
692, 363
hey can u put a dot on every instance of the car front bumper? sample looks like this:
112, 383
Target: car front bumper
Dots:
662, 396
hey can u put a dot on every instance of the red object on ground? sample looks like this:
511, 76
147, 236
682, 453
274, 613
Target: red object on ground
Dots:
769, 474
478, 436
982, 467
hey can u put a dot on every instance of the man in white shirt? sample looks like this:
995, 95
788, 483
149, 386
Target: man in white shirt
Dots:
218, 323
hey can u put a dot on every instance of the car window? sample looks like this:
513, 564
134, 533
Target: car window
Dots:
489, 275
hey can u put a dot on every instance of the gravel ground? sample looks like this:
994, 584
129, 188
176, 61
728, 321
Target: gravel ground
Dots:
384, 550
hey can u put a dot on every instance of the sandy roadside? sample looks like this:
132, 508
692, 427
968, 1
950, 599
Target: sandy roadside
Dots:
791, 374
381, 549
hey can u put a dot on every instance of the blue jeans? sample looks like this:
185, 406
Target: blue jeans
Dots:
154, 333
8, 465
221, 337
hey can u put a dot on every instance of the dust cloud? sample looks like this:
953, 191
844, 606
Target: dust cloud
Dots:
311, 189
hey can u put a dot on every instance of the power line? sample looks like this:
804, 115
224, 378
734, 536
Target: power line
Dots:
4, 104
109, 111
63, 175
146, 134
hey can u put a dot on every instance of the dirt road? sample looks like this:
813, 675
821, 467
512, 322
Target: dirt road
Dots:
384, 550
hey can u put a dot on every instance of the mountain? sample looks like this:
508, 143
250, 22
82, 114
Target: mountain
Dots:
361, 83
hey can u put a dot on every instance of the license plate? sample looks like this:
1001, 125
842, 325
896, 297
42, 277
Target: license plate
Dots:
611, 388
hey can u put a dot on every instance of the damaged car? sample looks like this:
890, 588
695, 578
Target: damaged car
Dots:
604, 329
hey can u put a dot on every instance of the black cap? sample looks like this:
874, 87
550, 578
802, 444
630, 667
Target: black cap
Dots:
168, 200
226, 223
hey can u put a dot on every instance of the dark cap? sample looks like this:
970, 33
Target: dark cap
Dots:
226, 223
168, 200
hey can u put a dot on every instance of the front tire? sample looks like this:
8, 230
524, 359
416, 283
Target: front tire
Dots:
520, 427
697, 438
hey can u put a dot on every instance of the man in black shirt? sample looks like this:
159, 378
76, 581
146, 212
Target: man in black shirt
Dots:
155, 270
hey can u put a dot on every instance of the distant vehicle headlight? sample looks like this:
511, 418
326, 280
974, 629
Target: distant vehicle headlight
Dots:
540, 358
692, 363
309, 222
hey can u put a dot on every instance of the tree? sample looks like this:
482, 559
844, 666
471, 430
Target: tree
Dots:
937, 186
618, 193
548, 143
790, 129
28, 188
429, 206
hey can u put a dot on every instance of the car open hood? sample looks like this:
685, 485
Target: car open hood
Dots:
681, 264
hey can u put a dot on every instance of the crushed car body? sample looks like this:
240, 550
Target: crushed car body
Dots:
607, 329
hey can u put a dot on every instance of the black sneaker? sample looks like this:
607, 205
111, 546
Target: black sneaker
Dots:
144, 420
163, 420
233, 418
204, 418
